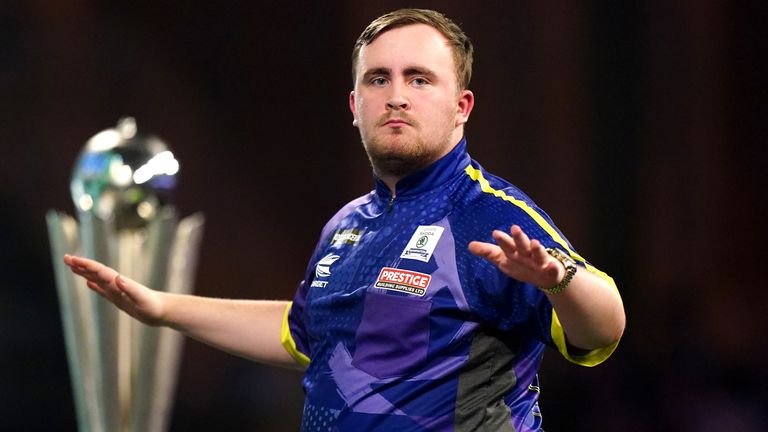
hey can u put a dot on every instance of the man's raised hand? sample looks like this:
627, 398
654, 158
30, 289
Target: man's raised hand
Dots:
520, 258
136, 300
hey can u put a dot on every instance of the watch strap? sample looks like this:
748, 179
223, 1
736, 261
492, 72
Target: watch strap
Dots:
570, 270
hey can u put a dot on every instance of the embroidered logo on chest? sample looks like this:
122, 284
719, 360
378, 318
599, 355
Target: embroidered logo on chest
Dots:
422, 243
323, 267
406, 281
323, 270
349, 237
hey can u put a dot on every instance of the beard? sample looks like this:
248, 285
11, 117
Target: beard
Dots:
397, 159
400, 152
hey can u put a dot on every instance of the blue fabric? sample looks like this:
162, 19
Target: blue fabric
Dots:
388, 322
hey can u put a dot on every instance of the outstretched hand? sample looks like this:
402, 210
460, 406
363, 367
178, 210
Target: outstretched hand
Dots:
136, 300
521, 258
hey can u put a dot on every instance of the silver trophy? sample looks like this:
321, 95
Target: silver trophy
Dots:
123, 373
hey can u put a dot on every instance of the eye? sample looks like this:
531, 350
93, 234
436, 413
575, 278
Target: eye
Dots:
379, 81
419, 82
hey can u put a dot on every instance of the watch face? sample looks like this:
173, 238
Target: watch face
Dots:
562, 257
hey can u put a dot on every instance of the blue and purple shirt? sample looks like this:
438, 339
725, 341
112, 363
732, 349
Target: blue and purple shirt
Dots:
403, 329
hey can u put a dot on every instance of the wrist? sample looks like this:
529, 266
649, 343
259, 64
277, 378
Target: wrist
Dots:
570, 270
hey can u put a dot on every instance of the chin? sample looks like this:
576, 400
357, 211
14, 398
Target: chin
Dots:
397, 163
395, 167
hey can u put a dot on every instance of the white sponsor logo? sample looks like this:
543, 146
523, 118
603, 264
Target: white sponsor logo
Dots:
350, 237
323, 267
422, 243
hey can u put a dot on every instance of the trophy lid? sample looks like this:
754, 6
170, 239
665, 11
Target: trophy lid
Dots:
123, 176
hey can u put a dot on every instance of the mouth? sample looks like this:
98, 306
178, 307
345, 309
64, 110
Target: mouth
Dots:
396, 122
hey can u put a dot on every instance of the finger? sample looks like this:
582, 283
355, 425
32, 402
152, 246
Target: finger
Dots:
94, 270
506, 243
82, 270
79, 261
72, 260
87, 274
125, 287
97, 288
522, 241
78, 270
69, 260
114, 293
539, 253
490, 252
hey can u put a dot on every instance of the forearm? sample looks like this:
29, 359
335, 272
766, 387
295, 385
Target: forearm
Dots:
590, 311
246, 328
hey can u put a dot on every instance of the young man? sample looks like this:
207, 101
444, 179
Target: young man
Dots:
418, 311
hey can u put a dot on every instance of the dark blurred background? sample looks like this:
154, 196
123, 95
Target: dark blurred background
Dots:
639, 127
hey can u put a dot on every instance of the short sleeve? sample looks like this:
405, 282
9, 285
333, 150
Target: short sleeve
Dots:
293, 333
514, 306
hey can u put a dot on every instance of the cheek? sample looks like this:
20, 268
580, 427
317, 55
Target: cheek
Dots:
444, 112
362, 107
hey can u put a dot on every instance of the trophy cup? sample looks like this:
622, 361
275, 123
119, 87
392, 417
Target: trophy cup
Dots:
123, 373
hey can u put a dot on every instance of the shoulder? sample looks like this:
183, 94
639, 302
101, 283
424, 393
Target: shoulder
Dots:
331, 227
491, 202
489, 187
343, 212
487, 196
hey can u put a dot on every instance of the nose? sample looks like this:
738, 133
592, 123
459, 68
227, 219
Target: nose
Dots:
396, 100
398, 103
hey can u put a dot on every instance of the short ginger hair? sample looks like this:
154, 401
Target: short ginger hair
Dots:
459, 42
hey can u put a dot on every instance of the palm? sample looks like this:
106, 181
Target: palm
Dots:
135, 299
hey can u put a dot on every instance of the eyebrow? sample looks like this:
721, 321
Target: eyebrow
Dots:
377, 71
409, 71
416, 70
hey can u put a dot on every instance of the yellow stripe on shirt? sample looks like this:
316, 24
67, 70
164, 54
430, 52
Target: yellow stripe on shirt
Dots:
594, 357
287, 340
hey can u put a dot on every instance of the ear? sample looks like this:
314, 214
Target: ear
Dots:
464, 107
352, 108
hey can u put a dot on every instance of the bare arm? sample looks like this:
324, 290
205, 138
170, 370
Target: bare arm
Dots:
247, 328
589, 309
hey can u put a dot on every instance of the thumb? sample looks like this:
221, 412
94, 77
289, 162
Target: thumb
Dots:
480, 249
553, 270
122, 284
490, 252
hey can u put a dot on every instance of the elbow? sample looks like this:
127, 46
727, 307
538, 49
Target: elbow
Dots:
613, 327
614, 335
613, 330
602, 335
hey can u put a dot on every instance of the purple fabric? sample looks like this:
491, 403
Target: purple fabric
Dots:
393, 336
447, 274
355, 385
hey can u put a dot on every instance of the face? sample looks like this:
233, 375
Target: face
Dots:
406, 100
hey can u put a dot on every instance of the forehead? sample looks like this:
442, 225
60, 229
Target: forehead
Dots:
411, 45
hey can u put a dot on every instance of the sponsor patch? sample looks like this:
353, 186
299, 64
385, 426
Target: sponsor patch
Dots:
323, 267
403, 280
422, 243
349, 237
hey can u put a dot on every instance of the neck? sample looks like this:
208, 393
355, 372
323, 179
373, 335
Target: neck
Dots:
390, 181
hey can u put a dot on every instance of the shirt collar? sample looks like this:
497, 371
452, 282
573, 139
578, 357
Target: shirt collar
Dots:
430, 177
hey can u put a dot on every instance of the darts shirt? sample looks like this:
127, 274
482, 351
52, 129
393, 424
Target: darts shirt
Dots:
401, 328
